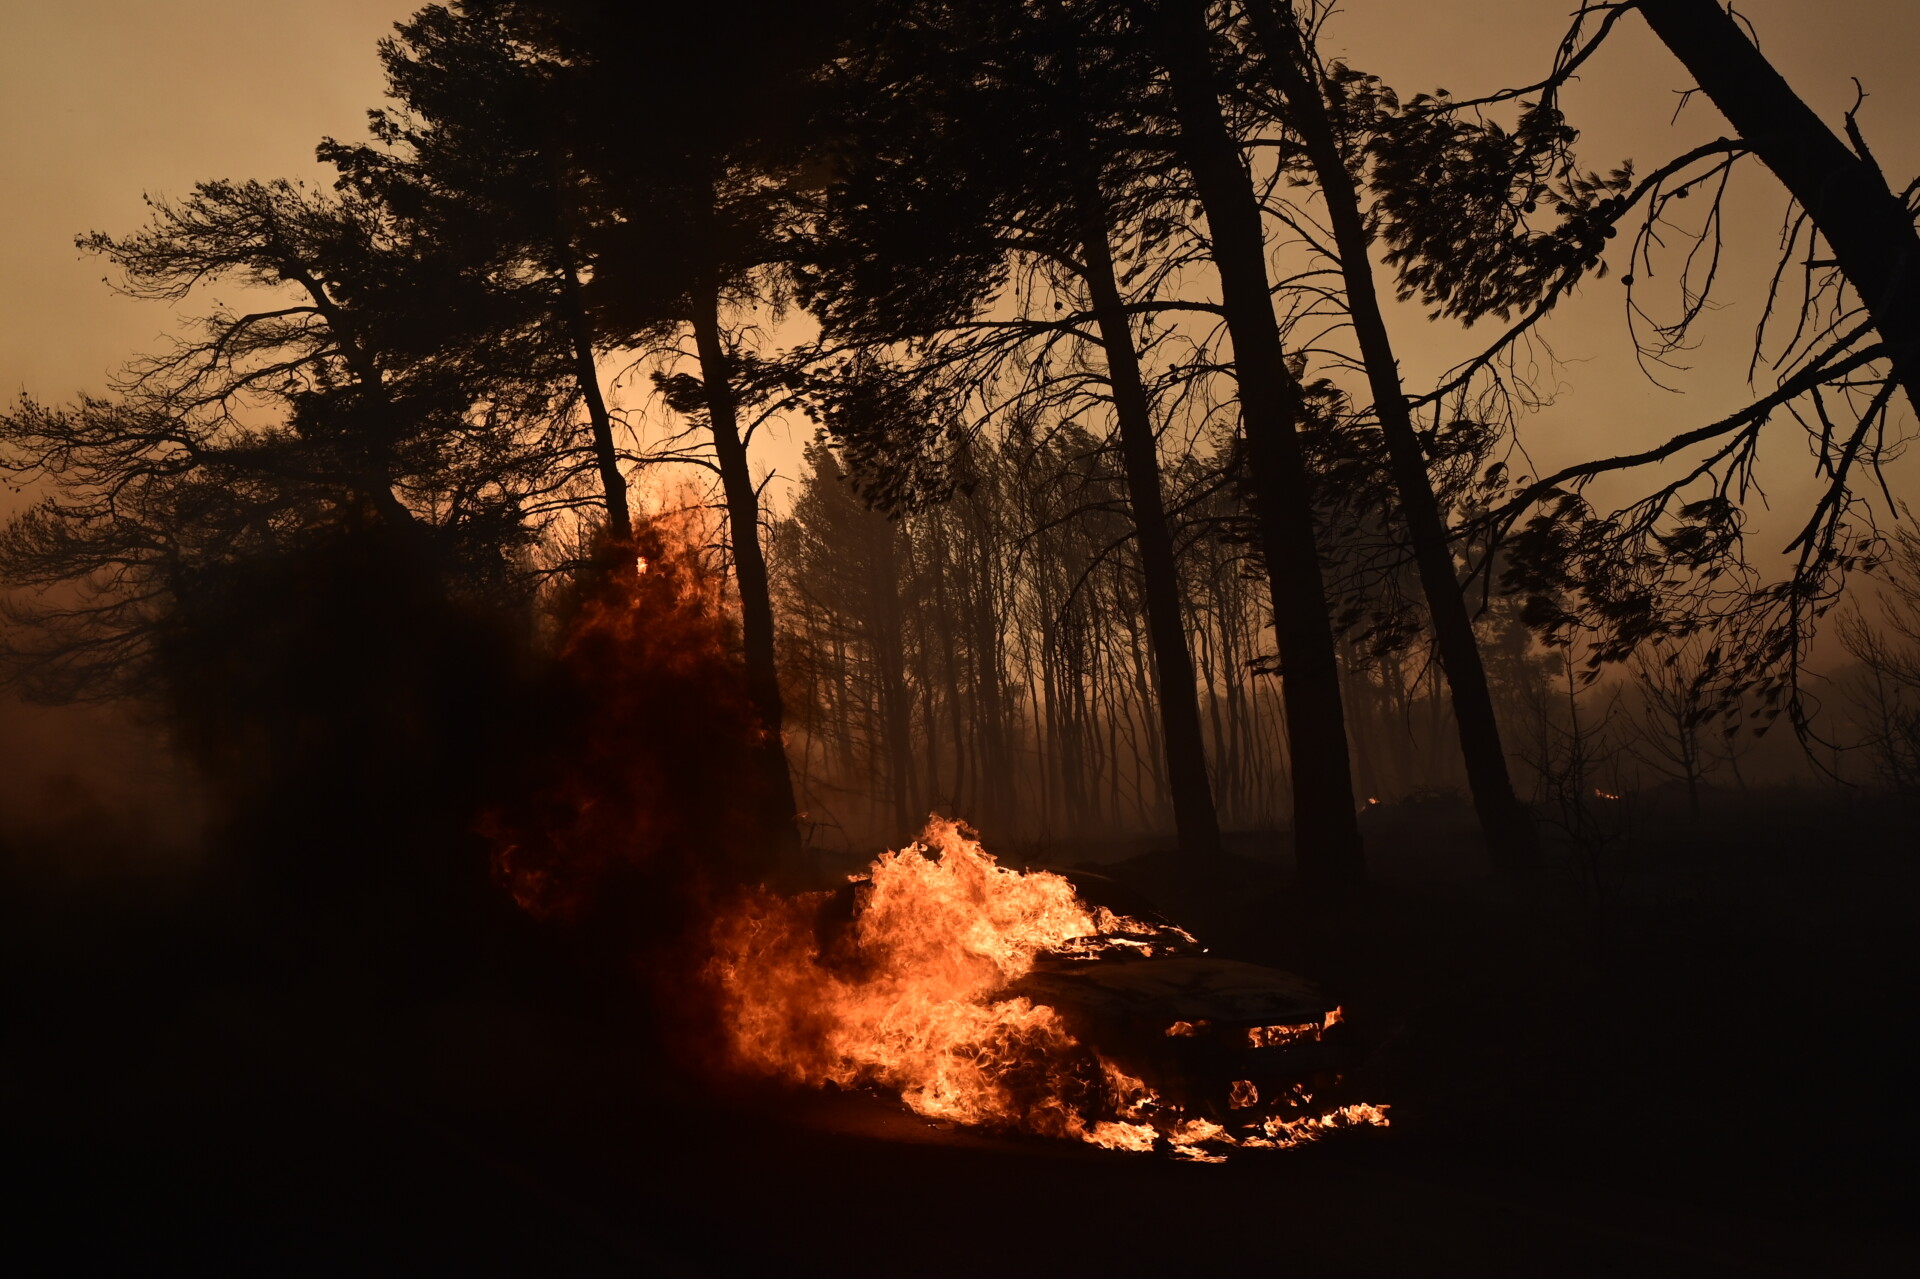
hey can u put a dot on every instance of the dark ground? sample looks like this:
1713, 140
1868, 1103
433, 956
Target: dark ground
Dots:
1691, 1060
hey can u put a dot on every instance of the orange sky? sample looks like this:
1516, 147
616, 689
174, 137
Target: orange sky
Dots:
1625, 104
107, 99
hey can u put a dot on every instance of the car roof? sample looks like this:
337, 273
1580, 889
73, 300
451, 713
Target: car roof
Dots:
1190, 988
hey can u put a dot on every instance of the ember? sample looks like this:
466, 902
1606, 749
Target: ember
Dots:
912, 995
1274, 1036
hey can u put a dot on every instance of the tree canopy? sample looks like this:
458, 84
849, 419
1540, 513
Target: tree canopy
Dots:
1084, 286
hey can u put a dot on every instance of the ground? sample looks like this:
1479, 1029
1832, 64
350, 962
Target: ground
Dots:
1698, 1073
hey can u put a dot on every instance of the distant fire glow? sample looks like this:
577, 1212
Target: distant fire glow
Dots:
911, 999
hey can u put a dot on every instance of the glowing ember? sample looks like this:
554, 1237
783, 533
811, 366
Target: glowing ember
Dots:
907, 992
1275, 1036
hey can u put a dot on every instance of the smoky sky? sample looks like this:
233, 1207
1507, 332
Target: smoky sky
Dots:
105, 100
102, 101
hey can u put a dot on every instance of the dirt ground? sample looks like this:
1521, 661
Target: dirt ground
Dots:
477, 1140
1701, 1072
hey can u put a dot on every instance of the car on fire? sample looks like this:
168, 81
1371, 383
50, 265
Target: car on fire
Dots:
1221, 1039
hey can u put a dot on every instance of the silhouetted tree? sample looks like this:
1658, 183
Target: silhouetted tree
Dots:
1022, 649
476, 155
1672, 723
368, 393
1272, 411
1311, 103
1870, 230
688, 238
1007, 115
1672, 561
1886, 695
846, 559
300, 532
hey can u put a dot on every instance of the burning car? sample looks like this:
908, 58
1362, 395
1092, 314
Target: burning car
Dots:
1219, 1038
1032, 1000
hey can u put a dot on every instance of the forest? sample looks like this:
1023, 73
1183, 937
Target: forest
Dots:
673, 455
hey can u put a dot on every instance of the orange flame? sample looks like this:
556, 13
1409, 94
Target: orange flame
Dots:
646, 783
1275, 1036
910, 998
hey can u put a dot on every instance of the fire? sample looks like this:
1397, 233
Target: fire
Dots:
646, 784
1281, 1134
911, 996
1275, 1036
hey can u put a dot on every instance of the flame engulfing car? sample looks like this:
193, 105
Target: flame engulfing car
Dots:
1176, 1047
1017, 1000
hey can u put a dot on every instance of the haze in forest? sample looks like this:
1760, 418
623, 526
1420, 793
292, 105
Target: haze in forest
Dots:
607, 606
113, 102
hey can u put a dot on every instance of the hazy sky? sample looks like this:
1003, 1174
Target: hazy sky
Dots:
107, 99
102, 100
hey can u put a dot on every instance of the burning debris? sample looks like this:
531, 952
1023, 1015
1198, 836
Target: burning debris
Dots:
988, 996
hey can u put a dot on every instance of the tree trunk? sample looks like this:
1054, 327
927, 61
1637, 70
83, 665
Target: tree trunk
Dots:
1868, 228
994, 706
887, 637
377, 461
1194, 818
1326, 834
606, 456
1505, 822
750, 573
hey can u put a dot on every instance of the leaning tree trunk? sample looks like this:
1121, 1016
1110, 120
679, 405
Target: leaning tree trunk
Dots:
606, 457
1844, 192
1326, 832
750, 574
1194, 817
1506, 823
